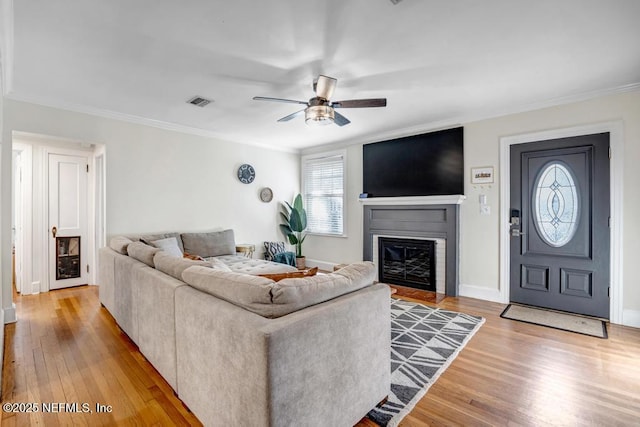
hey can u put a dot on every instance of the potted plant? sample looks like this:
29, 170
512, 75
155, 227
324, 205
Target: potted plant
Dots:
295, 222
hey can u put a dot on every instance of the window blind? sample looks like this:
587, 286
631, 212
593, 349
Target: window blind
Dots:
324, 194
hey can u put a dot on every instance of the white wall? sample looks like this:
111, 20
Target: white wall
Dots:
159, 180
479, 235
3, 223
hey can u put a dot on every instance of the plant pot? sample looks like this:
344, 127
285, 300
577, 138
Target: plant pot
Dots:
300, 262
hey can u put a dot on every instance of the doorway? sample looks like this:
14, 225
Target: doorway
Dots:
616, 162
68, 218
559, 222
69, 257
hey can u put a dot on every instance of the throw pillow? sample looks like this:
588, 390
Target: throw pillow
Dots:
272, 248
206, 245
169, 245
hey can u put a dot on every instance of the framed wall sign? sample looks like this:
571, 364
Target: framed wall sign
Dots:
482, 175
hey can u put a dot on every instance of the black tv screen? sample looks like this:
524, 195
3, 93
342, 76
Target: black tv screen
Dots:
430, 164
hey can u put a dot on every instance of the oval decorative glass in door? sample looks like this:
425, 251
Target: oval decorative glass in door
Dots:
555, 204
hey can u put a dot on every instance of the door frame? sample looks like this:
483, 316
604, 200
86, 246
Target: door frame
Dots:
616, 163
23, 233
37, 245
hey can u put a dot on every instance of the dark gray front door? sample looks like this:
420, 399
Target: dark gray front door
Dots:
560, 224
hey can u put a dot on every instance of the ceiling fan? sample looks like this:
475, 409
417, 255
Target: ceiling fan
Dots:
320, 110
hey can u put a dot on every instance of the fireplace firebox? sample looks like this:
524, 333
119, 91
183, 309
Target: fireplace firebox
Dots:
407, 262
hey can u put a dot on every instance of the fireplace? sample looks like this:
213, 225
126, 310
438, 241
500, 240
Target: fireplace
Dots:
407, 262
429, 218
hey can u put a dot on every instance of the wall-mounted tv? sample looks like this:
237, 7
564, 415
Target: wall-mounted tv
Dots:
430, 164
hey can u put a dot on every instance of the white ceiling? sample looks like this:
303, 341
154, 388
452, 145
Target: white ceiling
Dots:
437, 62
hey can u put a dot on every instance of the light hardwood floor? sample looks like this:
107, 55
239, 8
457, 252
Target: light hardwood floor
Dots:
67, 348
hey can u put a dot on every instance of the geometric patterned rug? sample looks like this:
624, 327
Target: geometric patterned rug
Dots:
424, 342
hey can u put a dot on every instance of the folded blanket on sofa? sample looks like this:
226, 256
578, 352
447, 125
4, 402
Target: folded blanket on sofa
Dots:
285, 258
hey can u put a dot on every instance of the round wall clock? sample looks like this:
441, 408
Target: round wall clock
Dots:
266, 195
246, 174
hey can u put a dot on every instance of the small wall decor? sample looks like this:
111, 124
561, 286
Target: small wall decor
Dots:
482, 175
246, 173
266, 195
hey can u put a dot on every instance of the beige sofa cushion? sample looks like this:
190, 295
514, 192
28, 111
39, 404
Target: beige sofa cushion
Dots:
294, 294
250, 292
143, 253
174, 266
209, 244
218, 265
270, 299
120, 244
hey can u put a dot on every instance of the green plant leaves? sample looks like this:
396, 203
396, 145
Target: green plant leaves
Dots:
295, 222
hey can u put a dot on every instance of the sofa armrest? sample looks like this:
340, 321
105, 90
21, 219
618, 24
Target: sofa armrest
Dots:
154, 300
106, 277
328, 364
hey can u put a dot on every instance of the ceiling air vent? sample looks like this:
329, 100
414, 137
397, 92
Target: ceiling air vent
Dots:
199, 101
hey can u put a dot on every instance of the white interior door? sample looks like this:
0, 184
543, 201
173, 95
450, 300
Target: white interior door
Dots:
68, 221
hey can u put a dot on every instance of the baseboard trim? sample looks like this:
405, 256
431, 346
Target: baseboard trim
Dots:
480, 292
9, 314
631, 318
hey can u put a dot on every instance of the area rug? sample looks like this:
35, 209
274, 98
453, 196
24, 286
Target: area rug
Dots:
424, 342
555, 319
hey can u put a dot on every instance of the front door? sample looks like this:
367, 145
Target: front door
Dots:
560, 224
68, 221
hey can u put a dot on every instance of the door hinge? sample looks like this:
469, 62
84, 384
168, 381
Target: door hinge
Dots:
609, 151
87, 268
609, 291
609, 222
87, 168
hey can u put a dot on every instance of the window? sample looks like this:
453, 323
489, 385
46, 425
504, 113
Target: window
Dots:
556, 205
323, 183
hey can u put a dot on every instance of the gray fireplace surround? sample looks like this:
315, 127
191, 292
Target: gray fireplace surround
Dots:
416, 221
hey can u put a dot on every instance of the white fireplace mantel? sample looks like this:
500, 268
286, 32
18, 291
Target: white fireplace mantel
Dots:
455, 199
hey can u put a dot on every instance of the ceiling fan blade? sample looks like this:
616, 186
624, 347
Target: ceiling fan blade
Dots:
291, 116
324, 86
339, 119
290, 101
360, 103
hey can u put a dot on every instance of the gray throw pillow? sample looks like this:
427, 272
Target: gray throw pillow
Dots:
169, 245
209, 244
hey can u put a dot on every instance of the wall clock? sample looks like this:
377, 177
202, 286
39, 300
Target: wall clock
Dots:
266, 195
246, 173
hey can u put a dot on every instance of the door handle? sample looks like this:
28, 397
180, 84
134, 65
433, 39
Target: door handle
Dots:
54, 231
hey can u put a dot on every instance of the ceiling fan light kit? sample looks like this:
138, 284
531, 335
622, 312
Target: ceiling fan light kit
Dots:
320, 110
319, 115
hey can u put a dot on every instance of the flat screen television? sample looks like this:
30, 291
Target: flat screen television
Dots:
430, 164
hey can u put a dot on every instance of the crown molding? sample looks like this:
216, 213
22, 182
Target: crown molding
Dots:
144, 121
470, 118
383, 136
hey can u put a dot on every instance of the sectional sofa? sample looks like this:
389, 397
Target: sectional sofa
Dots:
243, 350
